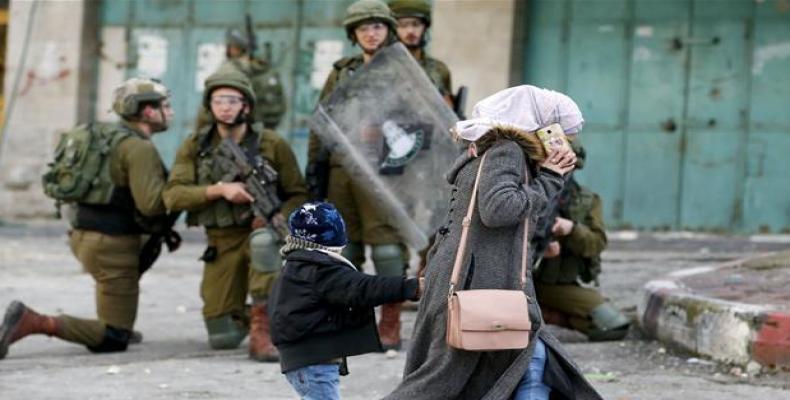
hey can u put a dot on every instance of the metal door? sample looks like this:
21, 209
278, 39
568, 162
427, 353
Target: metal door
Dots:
181, 42
683, 103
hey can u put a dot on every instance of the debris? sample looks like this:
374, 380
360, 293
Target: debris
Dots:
699, 361
661, 350
753, 368
602, 377
113, 370
391, 353
181, 309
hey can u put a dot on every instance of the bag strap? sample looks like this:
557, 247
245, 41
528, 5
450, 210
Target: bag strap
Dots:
467, 221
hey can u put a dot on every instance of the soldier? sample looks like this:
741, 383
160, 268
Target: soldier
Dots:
223, 209
574, 255
414, 19
369, 24
106, 236
266, 83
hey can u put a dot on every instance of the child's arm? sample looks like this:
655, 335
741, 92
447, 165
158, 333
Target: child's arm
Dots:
341, 285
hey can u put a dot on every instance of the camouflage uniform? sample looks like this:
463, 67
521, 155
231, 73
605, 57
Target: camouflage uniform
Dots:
227, 274
107, 238
557, 278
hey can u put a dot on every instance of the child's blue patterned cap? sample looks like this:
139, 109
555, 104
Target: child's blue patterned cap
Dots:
320, 223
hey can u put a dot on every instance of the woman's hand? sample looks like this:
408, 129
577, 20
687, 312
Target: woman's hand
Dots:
561, 161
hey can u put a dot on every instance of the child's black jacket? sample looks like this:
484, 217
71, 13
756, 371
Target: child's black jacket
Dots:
322, 308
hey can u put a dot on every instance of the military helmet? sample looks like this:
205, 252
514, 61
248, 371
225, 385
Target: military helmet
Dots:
581, 154
364, 10
235, 38
129, 95
230, 77
412, 8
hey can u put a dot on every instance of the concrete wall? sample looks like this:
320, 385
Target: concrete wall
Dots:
474, 38
46, 102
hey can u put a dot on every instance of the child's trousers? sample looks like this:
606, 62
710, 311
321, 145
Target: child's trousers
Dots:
316, 382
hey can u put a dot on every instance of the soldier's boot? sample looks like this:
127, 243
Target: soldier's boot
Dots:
389, 326
261, 346
608, 324
389, 260
20, 321
225, 332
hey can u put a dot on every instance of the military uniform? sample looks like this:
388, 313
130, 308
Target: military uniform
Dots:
438, 72
107, 238
557, 278
106, 241
227, 274
364, 221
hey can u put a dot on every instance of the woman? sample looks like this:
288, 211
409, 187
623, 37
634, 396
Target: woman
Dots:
503, 129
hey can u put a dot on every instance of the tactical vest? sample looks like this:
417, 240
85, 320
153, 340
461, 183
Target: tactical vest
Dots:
106, 207
222, 213
568, 267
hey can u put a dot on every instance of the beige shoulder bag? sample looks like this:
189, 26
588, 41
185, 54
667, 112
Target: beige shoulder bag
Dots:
487, 319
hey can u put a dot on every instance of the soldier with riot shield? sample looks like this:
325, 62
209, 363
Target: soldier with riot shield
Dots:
379, 140
216, 198
270, 99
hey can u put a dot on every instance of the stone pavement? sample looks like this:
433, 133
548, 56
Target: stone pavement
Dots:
736, 312
174, 361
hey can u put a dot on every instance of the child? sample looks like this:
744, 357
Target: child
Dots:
322, 306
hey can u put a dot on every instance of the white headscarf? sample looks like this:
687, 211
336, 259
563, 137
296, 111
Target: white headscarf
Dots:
525, 107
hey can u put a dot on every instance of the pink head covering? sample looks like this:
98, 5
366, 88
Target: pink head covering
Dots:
525, 107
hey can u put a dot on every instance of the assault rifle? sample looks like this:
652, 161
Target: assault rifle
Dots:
252, 40
543, 231
260, 180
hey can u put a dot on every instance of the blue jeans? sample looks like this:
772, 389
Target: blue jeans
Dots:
531, 386
316, 382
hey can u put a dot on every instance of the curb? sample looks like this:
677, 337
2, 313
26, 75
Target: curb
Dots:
724, 330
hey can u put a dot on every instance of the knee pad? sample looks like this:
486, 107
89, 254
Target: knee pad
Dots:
115, 339
265, 251
225, 332
355, 252
608, 323
389, 260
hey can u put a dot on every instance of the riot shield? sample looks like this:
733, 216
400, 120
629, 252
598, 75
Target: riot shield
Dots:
388, 126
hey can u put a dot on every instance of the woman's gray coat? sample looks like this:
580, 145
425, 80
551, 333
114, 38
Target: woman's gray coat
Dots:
435, 371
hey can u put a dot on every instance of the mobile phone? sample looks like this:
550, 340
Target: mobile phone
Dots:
553, 138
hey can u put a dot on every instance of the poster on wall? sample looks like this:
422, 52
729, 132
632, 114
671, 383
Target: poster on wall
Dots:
209, 58
151, 55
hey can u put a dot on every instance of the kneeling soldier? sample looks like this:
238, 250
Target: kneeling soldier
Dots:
122, 203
